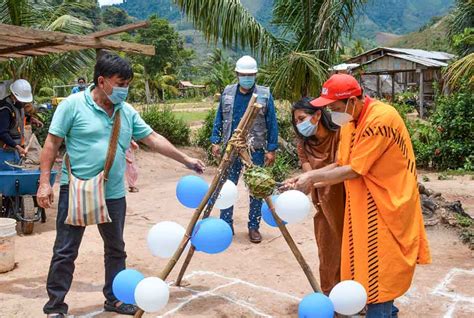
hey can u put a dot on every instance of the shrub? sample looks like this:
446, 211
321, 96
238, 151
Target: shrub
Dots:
284, 164
46, 92
204, 133
454, 123
42, 132
445, 140
285, 127
164, 121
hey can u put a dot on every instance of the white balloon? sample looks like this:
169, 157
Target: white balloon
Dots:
349, 297
293, 206
152, 294
164, 238
228, 196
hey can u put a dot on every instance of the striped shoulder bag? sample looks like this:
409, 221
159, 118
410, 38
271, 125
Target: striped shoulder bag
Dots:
87, 197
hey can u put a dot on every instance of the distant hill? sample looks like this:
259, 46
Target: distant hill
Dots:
398, 16
432, 37
390, 16
379, 21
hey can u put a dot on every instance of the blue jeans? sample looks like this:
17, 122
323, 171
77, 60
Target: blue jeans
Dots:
382, 310
66, 247
255, 213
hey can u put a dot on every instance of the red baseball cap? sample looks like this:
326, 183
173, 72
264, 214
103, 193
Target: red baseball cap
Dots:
337, 87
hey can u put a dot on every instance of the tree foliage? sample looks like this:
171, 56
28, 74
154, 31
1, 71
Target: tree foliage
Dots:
52, 15
461, 35
220, 71
116, 17
296, 62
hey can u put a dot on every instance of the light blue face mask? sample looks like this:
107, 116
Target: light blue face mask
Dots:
119, 94
247, 82
307, 128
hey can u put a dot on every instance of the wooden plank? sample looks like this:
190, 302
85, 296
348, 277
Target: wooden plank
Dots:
393, 87
12, 55
120, 29
422, 93
10, 40
77, 40
26, 47
378, 86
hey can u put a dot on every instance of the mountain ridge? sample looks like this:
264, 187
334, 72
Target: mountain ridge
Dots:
389, 16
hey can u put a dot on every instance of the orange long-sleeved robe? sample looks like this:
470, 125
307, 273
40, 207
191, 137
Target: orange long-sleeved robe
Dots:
384, 236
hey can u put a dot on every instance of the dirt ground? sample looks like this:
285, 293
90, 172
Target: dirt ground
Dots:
245, 281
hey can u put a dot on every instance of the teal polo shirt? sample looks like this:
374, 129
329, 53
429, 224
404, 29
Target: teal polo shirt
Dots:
86, 129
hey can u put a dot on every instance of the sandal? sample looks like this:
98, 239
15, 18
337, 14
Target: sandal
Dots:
133, 189
124, 309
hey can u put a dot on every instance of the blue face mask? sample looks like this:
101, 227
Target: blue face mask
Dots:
119, 95
307, 128
247, 82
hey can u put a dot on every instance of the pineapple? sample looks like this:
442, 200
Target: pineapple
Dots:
259, 181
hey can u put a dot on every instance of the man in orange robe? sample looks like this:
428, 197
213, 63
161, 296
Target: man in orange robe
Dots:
384, 236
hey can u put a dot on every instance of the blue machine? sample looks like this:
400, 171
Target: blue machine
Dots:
18, 189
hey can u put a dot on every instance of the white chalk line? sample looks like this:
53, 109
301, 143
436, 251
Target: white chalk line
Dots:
89, 315
267, 289
195, 296
442, 290
233, 281
451, 309
198, 294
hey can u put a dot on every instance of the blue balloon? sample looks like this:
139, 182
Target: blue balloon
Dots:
191, 190
211, 236
316, 305
124, 285
267, 215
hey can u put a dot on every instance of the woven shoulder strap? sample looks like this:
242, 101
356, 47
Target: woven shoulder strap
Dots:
109, 160
113, 143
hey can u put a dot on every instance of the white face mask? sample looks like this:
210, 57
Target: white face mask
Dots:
342, 118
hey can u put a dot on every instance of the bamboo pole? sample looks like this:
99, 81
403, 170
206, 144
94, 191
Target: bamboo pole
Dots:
296, 252
243, 129
223, 166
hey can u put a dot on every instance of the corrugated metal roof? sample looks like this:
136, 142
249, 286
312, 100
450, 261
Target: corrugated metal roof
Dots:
420, 60
424, 54
343, 67
441, 56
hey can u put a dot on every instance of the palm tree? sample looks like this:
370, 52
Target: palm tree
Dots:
461, 35
296, 63
51, 15
220, 70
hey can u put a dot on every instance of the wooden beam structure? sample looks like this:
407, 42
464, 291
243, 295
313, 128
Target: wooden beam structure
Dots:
422, 93
17, 41
120, 29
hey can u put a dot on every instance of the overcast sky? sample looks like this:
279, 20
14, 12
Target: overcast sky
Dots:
105, 2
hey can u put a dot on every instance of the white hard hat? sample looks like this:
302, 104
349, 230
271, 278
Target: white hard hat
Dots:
21, 89
246, 65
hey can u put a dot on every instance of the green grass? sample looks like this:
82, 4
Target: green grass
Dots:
190, 117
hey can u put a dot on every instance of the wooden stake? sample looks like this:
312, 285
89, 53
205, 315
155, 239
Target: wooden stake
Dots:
244, 127
296, 252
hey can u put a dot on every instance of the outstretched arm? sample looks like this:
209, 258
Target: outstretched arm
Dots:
160, 144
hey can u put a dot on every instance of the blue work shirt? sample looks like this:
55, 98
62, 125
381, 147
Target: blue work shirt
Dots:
86, 129
241, 102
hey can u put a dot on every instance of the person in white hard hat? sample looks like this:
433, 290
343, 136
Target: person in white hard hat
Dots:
264, 134
12, 115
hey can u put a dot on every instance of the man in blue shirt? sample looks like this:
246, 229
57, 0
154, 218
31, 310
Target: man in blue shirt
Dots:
263, 135
81, 86
84, 121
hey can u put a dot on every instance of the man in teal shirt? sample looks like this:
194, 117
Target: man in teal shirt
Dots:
84, 121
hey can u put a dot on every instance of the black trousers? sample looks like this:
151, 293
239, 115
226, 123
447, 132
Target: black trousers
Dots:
66, 247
